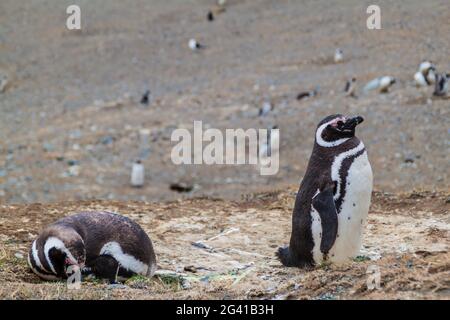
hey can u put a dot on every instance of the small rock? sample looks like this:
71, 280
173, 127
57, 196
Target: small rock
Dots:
190, 269
18, 255
72, 162
181, 187
74, 171
185, 284
409, 159
107, 140
48, 147
116, 286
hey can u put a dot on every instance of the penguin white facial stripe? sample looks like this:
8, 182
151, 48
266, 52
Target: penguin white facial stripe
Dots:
336, 166
45, 276
53, 242
125, 260
321, 142
36, 259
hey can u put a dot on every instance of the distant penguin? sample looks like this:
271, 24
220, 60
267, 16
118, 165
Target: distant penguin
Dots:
338, 56
194, 45
210, 16
105, 244
334, 197
385, 83
382, 84
145, 100
137, 174
441, 85
350, 88
426, 74
307, 94
266, 107
420, 79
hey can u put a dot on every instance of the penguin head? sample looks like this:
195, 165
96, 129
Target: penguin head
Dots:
63, 248
335, 129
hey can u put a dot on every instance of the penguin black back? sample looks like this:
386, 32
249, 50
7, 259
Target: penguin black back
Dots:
103, 243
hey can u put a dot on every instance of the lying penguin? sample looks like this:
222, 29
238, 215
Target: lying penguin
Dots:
334, 197
105, 244
382, 84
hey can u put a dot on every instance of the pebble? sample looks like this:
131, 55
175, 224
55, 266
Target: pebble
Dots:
116, 286
18, 255
48, 147
107, 140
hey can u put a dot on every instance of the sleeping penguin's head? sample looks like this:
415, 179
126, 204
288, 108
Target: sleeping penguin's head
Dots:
336, 129
63, 247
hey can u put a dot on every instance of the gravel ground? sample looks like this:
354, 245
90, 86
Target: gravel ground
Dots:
73, 96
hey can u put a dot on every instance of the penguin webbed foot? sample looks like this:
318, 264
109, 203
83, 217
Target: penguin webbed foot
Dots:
283, 255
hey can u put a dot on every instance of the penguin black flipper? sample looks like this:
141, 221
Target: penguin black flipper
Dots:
324, 205
106, 267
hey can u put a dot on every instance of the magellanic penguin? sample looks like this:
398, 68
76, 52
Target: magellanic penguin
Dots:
334, 197
441, 85
381, 84
338, 56
106, 244
194, 45
426, 74
350, 88
137, 174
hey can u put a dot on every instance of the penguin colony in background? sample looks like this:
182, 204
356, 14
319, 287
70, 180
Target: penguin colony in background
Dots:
104, 244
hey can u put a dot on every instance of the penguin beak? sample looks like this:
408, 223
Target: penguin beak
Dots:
351, 123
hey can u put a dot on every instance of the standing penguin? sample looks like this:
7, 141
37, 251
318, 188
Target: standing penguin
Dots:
338, 56
103, 243
137, 174
334, 197
350, 88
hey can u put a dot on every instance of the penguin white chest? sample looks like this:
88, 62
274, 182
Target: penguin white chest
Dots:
354, 209
352, 214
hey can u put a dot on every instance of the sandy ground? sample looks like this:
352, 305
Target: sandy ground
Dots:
407, 240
